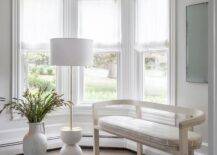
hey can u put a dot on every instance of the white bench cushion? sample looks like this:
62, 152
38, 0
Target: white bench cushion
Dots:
146, 132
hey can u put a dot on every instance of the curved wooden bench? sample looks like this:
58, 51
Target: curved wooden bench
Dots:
176, 140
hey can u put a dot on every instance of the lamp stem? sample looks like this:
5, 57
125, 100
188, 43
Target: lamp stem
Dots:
70, 98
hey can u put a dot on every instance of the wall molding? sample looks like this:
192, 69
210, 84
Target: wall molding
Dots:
212, 107
55, 142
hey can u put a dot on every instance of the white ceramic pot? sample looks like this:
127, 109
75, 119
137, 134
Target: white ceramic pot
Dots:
70, 139
35, 141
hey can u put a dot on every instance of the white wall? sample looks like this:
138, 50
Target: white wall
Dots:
5, 47
5, 51
188, 94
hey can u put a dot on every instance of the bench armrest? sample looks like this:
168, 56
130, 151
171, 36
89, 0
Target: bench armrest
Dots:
194, 120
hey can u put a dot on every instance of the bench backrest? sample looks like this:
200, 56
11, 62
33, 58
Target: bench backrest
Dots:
195, 116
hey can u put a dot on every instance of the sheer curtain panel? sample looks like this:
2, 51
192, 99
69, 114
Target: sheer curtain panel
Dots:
152, 25
40, 20
101, 21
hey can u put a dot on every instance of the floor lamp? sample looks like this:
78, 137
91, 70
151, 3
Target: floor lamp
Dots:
71, 52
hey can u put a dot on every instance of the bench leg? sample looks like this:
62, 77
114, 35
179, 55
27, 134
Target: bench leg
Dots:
139, 149
191, 152
175, 153
183, 141
96, 142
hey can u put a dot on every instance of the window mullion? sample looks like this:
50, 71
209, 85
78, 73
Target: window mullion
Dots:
16, 50
119, 88
140, 74
70, 19
172, 55
70, 30
81, 84
128, 55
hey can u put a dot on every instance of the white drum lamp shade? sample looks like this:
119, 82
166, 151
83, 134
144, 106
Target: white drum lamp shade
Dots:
71, 51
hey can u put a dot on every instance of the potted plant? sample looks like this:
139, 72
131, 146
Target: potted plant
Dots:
35, 106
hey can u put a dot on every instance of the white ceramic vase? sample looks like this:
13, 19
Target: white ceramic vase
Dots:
71, 137
35, 141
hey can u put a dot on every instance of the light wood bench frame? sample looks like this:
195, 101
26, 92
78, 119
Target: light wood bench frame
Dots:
193, 117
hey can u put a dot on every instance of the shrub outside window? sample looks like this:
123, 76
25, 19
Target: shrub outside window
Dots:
37, 71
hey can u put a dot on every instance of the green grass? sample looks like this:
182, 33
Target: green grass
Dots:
100, 89
96, 88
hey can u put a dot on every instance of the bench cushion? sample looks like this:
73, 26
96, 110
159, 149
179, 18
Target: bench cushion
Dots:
146, 132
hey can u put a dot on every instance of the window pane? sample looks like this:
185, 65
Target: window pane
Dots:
152, 24
100, 20
100, 79
37, 72
155, 77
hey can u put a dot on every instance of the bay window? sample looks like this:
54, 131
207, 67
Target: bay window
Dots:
108, 23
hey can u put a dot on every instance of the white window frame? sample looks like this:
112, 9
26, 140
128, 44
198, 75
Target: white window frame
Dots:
172, 54
129, 75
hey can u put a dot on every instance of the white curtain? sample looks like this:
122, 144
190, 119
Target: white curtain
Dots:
100, 20
152, 25
40, 20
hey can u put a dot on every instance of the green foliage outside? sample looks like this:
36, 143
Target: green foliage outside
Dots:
101, 89
36, 81
41, 70
104, 60
40, 74
37, 58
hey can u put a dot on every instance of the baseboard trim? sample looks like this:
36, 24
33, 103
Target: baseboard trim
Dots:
14, 148
106, 141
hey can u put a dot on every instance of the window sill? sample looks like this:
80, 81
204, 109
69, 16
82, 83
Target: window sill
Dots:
86, 110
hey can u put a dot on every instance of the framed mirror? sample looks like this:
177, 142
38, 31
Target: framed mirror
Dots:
197, 42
